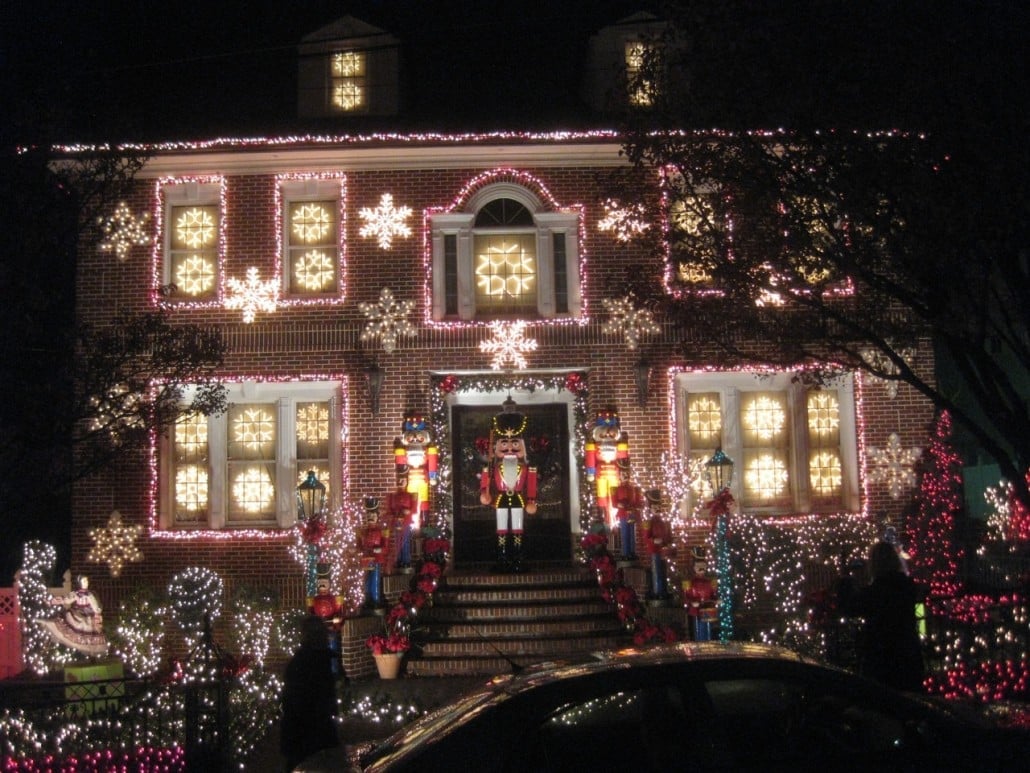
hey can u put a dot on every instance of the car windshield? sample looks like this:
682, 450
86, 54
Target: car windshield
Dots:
431, 726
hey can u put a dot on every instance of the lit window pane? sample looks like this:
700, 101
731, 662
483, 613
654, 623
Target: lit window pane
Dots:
347, 70
193, 253
313, 441
763, 416
251, 451
765, 477
253, 492
191, 476
824, 417
704, 420
312, 246
824, 474
505, 267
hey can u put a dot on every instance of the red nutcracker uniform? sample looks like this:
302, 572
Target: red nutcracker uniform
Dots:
509, 484
658, 538
401, 505
417, 457
374, 541
606, 452
628, 500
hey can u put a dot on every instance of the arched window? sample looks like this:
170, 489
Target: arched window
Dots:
505, 257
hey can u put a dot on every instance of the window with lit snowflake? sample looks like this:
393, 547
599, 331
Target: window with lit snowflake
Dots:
505, 254
241, 468
795, 448
191, 224
312, 246
348, 81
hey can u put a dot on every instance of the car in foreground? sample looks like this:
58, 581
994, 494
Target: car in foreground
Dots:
691, 706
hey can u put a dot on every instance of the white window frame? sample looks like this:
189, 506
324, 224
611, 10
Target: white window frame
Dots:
730, 385
311, 189
547, 225
285, 397
195, 193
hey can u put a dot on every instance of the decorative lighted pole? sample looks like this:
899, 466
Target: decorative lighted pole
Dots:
311, 514
719, 470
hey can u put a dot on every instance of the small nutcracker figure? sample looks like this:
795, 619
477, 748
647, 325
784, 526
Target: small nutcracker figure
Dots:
509, 484
401, 505
328, 607
699, 597
605, 452
628, 500
416, 457
658, 538
374, 540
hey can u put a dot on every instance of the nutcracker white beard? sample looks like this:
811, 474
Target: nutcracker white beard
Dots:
510, 472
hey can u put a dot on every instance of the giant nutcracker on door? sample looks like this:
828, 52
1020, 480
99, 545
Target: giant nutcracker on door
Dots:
509, 484
606, 455
415, 459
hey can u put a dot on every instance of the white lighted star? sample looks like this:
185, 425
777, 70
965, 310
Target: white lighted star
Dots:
252, 295
631, 322
387, 319
893, 465
385, 221
115, 544
508, 344
124, 230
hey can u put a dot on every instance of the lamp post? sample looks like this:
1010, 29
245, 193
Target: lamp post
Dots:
719, 471
310, 514
642, 380
375, 376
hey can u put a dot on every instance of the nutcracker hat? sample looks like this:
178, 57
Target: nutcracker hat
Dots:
414, 422
371, 504
654, 496
608, 417
509, 423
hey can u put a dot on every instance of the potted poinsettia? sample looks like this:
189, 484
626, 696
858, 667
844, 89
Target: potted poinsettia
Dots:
388, 648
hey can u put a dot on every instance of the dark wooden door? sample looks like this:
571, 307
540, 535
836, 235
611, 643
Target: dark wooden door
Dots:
547, 533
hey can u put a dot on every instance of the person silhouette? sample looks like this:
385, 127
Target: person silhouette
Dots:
309, 697
889, 649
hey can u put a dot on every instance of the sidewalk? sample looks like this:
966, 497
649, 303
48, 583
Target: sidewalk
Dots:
362, 700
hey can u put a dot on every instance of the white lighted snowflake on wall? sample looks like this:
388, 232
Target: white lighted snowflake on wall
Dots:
893, 465
123, 230
387, 319
252, 295
629, 322
508, 344
115, 544
385, 221
624, 222
880, 362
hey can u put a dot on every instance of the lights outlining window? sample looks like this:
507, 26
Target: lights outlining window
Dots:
241, 469
795, 448
505, 254
348, 84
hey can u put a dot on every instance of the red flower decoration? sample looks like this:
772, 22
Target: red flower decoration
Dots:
449, 383
574, 383
483, 447
313, 530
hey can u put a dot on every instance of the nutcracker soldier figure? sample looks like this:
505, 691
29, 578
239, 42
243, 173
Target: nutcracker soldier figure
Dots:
416, 457
328, 607
400, 509
374, 540
699, 597
628, 500
606, 451
658, 538
509, 484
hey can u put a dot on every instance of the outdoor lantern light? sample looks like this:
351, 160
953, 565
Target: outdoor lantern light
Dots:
376, 376
310, 497
719, 471
642, 377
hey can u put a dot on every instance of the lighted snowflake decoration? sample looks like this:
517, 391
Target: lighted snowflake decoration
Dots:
311, 222
385, 221
387, 319
252, 295
624, 222
196, 228
508, 344
878, 361
314, 270
195, 275
632, 323
115, 544
123, 230
893, 465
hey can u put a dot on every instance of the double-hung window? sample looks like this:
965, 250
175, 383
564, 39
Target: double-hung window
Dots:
794, 448
505, 257
348, 81
312, 237
241, 469
192, 220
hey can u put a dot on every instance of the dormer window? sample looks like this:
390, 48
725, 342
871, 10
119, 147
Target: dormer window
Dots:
505, 257
348, 81
641, 89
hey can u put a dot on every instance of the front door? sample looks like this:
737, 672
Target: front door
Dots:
547, 535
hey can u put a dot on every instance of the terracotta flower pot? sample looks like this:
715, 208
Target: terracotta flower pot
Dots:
389, 664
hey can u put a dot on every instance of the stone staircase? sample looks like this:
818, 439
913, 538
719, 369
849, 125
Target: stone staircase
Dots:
481, 623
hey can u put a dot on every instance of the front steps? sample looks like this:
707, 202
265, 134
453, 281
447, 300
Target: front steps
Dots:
482, 623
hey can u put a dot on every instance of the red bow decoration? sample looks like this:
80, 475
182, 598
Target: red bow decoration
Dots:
313, 531
720, 505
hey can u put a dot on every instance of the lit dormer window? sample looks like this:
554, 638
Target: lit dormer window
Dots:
348, 86
641, 89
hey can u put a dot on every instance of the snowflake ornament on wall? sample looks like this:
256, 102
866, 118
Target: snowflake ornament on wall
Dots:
385, 221
252, 295
123, 230
879, 361
893, 465
624, 222
508, 344
115, 544
387, 319
631, 322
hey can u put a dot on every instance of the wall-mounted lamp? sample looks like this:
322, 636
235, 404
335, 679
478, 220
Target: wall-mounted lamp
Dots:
642, 378
376, 377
